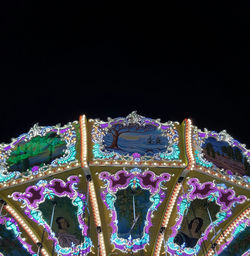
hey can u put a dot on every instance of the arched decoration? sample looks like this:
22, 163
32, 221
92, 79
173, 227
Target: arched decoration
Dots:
35, 152
141, 193
37, 201
12, 242
222, 201
221, 153
135, 138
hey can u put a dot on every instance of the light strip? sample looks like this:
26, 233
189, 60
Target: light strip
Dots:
25, 227
94, 204
166, 217
188, 142
83, 141
91, 187
97, 218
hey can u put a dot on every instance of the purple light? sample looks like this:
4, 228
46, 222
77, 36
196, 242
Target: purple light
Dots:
7, 148
104, 125
164, 127
202, 134
35, 169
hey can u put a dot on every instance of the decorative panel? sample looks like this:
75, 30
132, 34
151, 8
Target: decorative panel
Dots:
132, 197
37, 152
223, 154
199, 212
59, 208
135, 139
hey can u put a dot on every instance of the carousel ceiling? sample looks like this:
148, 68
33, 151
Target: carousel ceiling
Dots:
126, 186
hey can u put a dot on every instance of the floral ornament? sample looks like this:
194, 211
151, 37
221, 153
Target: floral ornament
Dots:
36, 194
136, 157
126, 185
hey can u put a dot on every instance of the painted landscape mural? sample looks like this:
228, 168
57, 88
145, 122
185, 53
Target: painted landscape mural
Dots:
134, 138
239, 245
38, 151
226, 157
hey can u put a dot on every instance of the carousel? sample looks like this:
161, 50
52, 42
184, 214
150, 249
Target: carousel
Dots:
125, 186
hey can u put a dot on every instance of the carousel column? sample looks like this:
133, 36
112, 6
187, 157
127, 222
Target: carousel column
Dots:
91, 186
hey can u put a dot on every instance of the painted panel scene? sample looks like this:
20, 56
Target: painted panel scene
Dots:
131, 213
36, 152
9, 244
135, 139
65, 224
195, 222
239, 245
225, 157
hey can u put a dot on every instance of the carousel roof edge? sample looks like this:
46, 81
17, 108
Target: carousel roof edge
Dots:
72, 134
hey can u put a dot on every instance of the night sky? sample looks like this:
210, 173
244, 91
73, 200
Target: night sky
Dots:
185, 60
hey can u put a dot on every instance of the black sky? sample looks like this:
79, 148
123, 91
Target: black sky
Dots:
62, 59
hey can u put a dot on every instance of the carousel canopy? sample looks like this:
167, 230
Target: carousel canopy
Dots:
125, 186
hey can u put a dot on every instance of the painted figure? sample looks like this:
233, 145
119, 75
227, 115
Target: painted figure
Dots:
65, 239
190, 239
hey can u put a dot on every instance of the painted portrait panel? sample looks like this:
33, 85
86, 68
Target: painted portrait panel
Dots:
239, 245
65, 224
59, 207
198, 217
200, 213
